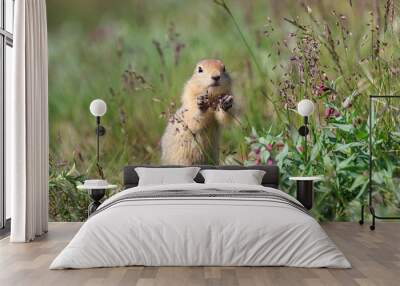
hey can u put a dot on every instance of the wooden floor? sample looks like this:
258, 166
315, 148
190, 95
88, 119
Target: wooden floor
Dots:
375, 257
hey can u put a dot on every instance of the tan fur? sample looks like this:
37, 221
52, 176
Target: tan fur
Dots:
192, 134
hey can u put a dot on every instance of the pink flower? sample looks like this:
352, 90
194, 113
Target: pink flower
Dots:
321, 89
268, 147
257, 151
269, 162
258, 161
337, 113
299, 149
329, 111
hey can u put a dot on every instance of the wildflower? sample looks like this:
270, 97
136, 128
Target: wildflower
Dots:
332, 97
347, 102
270, 162
159, 50
319, 89
269, 147
258, 159
329, 112
122, 116
175, 43
299, 148
279, 146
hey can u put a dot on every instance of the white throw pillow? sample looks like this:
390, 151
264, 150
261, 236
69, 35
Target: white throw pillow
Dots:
248, 177
165, 176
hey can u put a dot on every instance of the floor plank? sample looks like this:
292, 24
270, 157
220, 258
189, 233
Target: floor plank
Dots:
375, 257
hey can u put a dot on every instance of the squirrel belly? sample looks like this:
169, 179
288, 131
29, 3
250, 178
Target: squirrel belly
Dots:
181, 146
192, 134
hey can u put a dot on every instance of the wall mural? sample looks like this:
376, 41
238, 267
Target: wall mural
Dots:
218, 82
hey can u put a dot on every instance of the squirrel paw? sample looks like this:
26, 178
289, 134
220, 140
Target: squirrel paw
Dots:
203, 102
226, 102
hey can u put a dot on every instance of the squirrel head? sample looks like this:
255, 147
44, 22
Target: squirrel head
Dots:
210, 76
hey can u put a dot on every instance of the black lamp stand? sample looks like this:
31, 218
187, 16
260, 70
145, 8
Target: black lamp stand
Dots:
305, 193
100, 131
370, 183
304, 131
97, 194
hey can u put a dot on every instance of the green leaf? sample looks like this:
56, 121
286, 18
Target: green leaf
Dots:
343, 127
344, 147
265, 156
315, 151
378, 177
346, 163
361, 134
359, 181
283, 154
328, 165
263, 140
396, 134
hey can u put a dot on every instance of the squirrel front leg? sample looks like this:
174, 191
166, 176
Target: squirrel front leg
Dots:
198, 116
225, 111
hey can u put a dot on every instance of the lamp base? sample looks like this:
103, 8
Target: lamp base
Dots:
305, 193
100, 130
96, 195
303, 130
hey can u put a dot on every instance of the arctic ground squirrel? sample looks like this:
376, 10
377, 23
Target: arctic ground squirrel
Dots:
193, 132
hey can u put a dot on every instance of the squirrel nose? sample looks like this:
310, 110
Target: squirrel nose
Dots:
216, 77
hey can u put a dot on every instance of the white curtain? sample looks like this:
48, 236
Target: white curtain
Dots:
27, 124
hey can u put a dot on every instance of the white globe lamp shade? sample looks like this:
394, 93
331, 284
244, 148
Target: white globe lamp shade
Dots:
305, 107
98, 107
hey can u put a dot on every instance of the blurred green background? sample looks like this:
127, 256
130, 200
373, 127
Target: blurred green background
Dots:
136, 55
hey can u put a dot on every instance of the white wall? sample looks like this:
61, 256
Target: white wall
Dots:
8, 89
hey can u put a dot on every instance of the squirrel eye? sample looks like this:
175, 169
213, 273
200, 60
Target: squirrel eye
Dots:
200, 69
